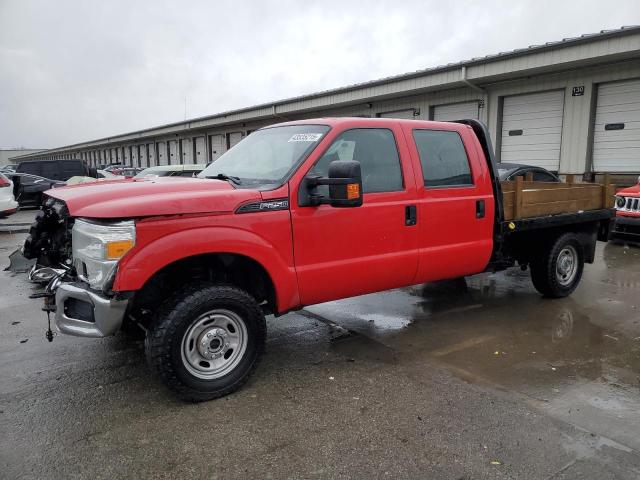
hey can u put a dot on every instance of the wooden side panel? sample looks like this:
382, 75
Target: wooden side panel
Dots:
526, 199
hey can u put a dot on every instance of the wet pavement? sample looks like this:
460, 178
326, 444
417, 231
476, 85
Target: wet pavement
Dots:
480, 378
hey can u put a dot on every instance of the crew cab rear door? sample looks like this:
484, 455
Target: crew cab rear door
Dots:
343, 252
455, 201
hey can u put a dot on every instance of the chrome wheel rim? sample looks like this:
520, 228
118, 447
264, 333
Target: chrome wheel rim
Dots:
567, 265
214, 344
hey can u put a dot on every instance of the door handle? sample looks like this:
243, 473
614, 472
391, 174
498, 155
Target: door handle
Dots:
410, 215
480, 210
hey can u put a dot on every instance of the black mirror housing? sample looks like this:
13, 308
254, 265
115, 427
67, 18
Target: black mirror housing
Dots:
349, 193
345, 186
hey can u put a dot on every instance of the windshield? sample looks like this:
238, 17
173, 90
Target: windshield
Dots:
266, 157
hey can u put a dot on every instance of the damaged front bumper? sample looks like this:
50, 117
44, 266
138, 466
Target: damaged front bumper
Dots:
83, 312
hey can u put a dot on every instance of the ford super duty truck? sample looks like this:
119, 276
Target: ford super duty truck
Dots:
297, 214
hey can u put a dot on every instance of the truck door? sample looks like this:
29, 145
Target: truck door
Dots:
343, 252
455, 202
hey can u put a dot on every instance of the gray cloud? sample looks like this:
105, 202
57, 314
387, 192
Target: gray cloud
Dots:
76, 70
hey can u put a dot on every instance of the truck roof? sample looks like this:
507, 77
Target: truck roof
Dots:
341, 121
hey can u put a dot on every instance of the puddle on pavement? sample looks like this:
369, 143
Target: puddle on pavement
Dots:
577, 358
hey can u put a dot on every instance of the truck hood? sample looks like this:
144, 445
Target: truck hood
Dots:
148, 197
633, 191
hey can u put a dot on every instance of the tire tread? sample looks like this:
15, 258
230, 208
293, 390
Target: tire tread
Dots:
158, 344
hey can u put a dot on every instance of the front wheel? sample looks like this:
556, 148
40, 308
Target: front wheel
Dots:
557, 269
206, 341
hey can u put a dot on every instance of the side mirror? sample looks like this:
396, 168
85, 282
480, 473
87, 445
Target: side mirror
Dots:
345, 186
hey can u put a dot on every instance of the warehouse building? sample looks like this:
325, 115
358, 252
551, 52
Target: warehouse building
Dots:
571, 106
6, 154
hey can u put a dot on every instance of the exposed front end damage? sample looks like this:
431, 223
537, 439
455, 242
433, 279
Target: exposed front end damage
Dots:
80, 306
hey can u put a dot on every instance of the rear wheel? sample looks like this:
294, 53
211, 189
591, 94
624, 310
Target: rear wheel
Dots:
558, 267
207, 341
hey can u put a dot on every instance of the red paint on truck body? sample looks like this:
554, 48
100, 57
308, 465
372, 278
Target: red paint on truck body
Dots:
312, 254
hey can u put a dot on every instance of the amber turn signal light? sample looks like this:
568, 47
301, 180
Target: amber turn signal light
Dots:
116, 250
353, 191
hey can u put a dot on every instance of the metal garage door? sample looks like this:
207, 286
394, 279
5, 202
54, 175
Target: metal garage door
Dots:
407, 114
151, 154
114, 156
616, 133
127, 156
174, 157
200, 150
215, 147
163, 158
187, 150
134, 156
532, 129
143, 155
234, 138
455, 111
119, 154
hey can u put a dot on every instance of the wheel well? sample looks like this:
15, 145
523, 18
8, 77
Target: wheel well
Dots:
222, 268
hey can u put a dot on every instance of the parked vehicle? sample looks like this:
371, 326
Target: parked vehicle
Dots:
128, 172
102, 175
8, 168
28, 189
172, 171
627, 224
509, 171
111, 167
8, 204
61, 170
298, 214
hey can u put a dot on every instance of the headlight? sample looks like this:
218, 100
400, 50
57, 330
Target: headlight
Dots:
97, 247
620, 202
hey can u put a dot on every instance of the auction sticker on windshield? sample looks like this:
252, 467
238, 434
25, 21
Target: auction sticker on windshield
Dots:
305, 137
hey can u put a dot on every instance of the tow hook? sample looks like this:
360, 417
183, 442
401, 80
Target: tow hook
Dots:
49, 296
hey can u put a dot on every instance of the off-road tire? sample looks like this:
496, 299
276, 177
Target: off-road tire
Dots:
177, 314
543, 268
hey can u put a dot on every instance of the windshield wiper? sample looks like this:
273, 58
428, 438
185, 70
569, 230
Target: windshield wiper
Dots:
231, 178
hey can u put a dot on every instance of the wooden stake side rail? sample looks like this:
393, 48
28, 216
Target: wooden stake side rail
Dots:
526, 199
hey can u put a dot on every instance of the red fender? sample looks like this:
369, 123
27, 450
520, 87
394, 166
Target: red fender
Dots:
146, 259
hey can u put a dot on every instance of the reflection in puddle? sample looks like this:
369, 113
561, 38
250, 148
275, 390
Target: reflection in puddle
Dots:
385, 322
578, 357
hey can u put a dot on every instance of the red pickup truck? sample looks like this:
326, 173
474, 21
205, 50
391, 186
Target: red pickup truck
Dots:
296, 214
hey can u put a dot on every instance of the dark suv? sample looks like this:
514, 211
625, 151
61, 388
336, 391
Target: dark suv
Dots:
55, 169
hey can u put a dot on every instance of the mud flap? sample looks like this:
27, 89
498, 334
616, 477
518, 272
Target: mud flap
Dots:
18, 263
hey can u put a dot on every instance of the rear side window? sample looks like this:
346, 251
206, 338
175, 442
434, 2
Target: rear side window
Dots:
34, 168
375, 149
443, 158
50, 170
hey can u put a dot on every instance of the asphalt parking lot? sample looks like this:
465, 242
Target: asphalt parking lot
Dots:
474, 379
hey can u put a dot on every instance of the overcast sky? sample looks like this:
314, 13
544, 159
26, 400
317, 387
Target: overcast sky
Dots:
78, 70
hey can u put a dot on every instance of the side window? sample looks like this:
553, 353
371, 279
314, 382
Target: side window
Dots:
375, 149
539, 176
50, 170
443, 158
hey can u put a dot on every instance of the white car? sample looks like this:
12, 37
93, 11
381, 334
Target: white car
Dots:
8, 204
102, 176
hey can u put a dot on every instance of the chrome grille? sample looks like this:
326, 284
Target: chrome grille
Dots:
631, 204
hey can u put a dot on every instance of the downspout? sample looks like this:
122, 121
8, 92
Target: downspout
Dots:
463, 78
